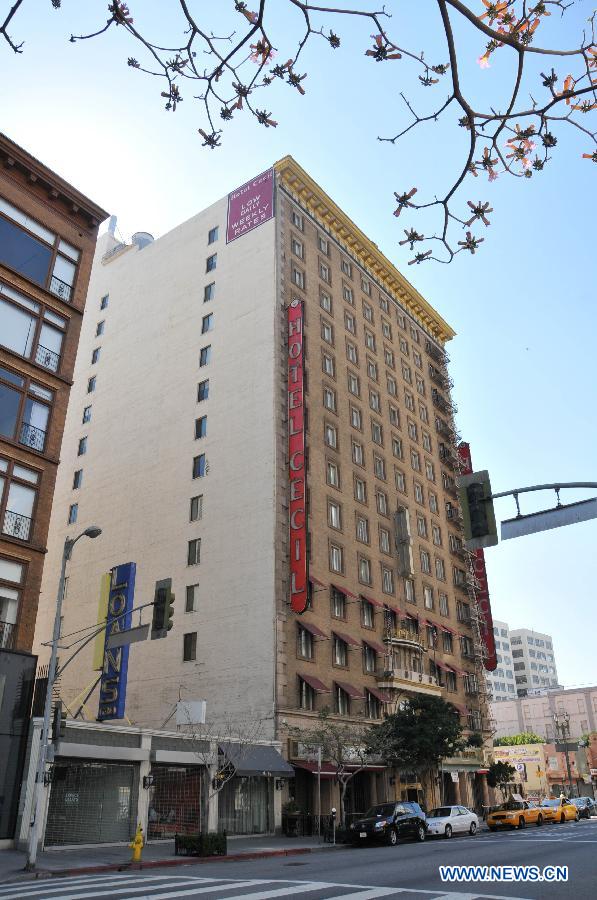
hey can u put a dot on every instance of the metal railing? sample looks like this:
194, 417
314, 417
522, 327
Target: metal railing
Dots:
61, 288
32, 436
47, 358
16, 525
8, 633
437, 354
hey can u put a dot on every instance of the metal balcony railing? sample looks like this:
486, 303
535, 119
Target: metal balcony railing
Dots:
61, 289
8, 633
47, 358
16, 525
32, 436
438, 355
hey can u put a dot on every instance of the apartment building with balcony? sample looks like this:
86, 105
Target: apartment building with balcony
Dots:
330, 577
48, 231
535, 666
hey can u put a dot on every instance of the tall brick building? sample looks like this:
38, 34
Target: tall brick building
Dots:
48, 232
262, 413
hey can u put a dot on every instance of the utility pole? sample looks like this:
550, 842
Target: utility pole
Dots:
562, 725
36, 804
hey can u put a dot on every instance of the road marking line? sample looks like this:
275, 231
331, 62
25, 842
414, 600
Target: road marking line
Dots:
232, 885
120, 889
300, 888
28, 887
41, 889
371, 894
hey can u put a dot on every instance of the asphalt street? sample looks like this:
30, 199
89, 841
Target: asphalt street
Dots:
409, 871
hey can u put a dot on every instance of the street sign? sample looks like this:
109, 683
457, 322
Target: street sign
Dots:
130, 636
567, 514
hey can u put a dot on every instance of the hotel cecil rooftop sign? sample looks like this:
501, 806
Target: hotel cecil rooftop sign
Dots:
250, 205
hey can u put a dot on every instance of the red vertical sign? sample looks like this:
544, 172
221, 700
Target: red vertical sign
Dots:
486, 619
296, 460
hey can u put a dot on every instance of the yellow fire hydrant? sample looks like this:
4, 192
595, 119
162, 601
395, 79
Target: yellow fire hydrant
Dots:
137, 845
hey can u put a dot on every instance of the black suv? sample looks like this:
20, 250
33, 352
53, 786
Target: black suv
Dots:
390, 821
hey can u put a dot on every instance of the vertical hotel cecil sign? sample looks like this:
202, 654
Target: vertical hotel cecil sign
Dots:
296, 460
486, 619
250, 205
116, 659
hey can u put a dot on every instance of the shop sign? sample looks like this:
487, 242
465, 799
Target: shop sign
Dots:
482, 593
250, 205
115, 669
296, 460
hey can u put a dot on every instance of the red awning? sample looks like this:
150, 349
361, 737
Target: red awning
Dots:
413, 616
383, 698
396, 609
316, 581
352, 642
343, 590
372, 601
379, 648
460, 672
326, 770
353, 692
460, 708
313, 629
441, 665
448, 629
317, 685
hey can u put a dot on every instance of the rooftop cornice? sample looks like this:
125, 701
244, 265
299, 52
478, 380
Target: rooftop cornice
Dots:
59, 190
294, 178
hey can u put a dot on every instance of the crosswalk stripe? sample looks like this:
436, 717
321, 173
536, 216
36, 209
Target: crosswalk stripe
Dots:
44, 889
301, 888
233, 885
120, 887
29, 887
370, 894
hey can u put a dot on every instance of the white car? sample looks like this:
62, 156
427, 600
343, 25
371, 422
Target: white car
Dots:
449, 820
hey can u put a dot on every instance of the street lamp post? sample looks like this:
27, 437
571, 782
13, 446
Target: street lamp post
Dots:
562, 724
36, 811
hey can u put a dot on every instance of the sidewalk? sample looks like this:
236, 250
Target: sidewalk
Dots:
102, 858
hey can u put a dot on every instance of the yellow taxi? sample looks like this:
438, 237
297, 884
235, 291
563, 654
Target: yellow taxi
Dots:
515, 814
560, 810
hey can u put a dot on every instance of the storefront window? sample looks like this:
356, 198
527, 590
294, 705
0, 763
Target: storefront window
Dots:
246, 805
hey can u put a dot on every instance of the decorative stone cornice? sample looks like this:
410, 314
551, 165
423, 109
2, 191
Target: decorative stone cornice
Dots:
316, 202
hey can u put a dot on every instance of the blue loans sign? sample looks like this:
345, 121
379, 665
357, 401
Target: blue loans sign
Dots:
116, 659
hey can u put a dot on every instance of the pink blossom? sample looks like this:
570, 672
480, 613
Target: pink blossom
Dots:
484, 61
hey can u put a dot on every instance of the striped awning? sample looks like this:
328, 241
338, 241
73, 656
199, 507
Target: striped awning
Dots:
313, 629
383, 698
344, 590
353, 692
352, 642
379, 648
372, 601
317, 685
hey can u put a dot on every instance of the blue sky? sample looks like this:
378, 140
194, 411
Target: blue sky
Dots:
523, 307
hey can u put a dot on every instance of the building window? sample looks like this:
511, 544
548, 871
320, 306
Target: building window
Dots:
86, 415
95, 355
192, 598
367, 614
341, 701
25, 410
196, 508
360, 490
91, 385
397, 447
296, 247
325, 301
387, 580
433, 506
194, 552
330, 435
421, 526
77, 479
372, 706
357, 454
388, 356
212, 235
189, 647
391, 385
82, 448
212, 262
99, 328
73, 512
425, 562
372, 369
381, 500
346, 267
332, 474
426, 438
18, 496
340, 652
414, 333
418, 359
400, 481
409, 591
447, 642
351, 353
338, 603
419, 496
37, 253
384, 540
420, 386
329, 399
376, 432
350, 322
394, 415
297, 219
30, 329
367, 312
366, 288
440, 569
374, 401
353, 384
306, 695
203, 390
199, 466
334, 515
386, 329
328, 365
369, 340
323, 244
415, 460
201, 427
347, 294
427, 597
429, 470
324, 272
104, 301
209, 292
362, 529
412, 430
436, 535
356, 418
205, 356
364, 570
409, 401
379, 467
423, 414
336, 558
304, 643
207, 323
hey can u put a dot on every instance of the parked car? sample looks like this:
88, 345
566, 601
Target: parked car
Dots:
561, 810
515, 814
389, 822
449, 820
586, 806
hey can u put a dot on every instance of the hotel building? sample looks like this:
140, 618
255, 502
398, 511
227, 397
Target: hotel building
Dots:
261, 413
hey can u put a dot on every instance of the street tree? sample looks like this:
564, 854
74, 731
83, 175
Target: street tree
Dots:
515, 740
346, 746
419, 735
230, 56
501, 775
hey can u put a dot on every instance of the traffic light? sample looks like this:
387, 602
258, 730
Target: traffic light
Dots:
163, 609
58, 723
474, 494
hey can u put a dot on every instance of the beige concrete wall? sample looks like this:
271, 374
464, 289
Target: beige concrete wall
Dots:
137, 480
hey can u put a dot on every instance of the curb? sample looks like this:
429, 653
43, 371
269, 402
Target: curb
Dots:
165, 863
